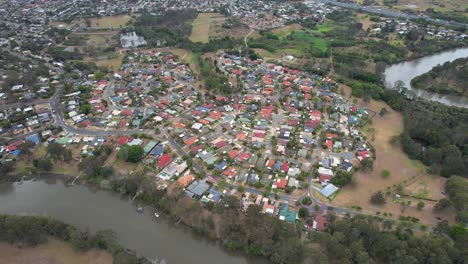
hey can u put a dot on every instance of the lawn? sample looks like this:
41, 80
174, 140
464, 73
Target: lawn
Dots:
202, 24
325, 27
305, 38
298, 43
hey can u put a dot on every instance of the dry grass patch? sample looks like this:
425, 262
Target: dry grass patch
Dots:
201, 26
364, 19
106, 22
113, 63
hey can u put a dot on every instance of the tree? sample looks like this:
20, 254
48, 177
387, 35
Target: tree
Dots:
378, 198
59, 152
240, 189
342, 178
6, 167
307, 200
25, 148
383, 111
131, 153
441, 205
43, 164
385, 173
55, 150
303, 212
420, 205
456, 188
367, 165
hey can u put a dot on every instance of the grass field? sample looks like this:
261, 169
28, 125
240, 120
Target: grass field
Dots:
107, 22
52, 252
305, 38
283, 32
202, 24
113, 61
403, 171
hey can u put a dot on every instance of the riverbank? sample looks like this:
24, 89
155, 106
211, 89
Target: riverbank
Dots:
35, 232
54, 251
94, 210
449, 78
407, 71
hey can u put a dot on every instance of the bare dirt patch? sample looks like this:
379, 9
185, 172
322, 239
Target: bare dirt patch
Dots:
52, 252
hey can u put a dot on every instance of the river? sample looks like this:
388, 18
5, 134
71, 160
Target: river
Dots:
406, 71
96, 210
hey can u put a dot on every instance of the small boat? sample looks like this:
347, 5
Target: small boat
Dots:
140, 209
156, 214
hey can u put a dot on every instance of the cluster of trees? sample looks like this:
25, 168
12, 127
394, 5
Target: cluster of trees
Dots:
363, 240
434, 133
212, 79
59, 152
43, 164
457, 189
172, 27
6, 167
342, 178
131, 153
93, 165
60, 54
34, 230
449, 78
449, 15
351, 240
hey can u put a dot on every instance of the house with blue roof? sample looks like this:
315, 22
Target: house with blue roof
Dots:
221, 166
33, 139
158, 150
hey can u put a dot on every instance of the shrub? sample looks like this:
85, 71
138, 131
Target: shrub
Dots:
378, 198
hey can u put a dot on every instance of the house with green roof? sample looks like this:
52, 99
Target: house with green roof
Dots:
287, 215
150, 146
62, 140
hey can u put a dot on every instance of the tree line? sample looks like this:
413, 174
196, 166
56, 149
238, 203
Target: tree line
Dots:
358, 239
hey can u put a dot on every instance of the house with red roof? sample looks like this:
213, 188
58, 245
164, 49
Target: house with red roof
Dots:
123, 140
362, 155
329, 143
323, 178
285, 167
270, 163
221, 144
319, 223
230, 172
233, 154
244, 156
280, 183
126, 112
191, 141
164, 160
